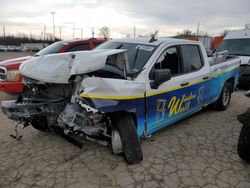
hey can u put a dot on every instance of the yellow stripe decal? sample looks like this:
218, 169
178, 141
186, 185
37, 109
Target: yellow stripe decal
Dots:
83, 95
110, 97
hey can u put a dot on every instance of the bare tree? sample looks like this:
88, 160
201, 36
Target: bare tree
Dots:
104, 32
185, 33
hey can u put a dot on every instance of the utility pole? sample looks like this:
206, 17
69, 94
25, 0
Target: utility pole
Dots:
53, 14
93, 33
198, 29
44, 32
81, 33
60, 30
3, 31
134, 31
73, 31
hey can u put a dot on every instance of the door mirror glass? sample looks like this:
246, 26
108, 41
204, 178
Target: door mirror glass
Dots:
160, 76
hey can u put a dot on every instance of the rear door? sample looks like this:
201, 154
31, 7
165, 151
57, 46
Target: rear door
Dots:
182, 95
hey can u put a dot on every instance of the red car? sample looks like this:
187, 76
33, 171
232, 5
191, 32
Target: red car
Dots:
11, 80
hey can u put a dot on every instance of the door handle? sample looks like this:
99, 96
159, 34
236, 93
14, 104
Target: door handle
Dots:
206, 78
185, 84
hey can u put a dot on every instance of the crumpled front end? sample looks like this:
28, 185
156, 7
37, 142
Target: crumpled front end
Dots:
85, 102
38, 99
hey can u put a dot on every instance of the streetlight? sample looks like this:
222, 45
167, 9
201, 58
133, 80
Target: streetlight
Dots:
53, 13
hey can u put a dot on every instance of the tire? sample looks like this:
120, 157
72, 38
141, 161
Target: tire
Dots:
40, 123
225, 97
130, 140
244, 143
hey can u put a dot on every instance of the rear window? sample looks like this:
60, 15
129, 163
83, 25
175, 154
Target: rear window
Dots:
191, 58
78, 47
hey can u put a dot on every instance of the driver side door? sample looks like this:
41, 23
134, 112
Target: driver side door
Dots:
180, 96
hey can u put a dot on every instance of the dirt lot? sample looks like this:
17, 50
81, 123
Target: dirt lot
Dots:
8, 55
200, 151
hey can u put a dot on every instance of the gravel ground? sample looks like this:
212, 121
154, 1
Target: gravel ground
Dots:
200, 151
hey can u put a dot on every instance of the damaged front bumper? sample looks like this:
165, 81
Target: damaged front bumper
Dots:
27, 111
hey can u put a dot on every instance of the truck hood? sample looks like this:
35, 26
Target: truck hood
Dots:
14, 61
58, 68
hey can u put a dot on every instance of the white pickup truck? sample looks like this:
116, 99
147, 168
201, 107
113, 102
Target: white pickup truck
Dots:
122, 91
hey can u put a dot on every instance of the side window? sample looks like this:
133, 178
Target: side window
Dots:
79, 47
191, 58
169, 59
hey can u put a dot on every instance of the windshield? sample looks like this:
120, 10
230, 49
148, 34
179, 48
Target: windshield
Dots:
239, 47
52, 49
138, 54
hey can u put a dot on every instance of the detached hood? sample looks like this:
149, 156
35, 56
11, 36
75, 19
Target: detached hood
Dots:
58, 68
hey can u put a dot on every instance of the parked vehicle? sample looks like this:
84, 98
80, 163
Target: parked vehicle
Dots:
238, 43
123, 90
3, 48
10, 78
244, 138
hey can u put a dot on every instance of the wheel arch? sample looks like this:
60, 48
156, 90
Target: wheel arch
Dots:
117, 114
231, 81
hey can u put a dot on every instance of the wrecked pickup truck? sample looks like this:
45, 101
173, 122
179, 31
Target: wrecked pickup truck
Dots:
124, 90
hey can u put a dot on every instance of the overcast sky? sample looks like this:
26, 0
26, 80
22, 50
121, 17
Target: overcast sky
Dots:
168, 16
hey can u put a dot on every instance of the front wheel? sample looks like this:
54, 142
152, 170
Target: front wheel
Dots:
225, 97
130, 141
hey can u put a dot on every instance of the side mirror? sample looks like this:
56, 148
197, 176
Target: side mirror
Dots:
160, 76
209, 53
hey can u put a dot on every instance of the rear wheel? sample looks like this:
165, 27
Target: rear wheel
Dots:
225, 97
129, 138
40, 123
